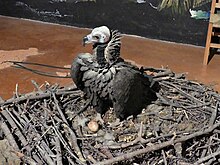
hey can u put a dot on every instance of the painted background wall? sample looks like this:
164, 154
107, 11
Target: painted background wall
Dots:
183, 21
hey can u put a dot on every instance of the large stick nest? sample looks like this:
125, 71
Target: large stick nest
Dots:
55, 125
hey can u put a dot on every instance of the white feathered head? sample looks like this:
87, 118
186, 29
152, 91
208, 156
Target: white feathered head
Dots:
99, 35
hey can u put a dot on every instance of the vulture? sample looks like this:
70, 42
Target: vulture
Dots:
108, 80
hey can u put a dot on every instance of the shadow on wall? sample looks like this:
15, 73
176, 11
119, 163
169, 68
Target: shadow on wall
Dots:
147, 19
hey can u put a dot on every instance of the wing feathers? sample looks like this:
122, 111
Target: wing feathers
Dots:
118, 84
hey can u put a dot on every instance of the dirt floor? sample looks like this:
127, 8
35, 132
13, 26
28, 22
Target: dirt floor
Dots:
58, 45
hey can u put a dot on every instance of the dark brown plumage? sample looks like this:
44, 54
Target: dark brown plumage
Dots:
107, 80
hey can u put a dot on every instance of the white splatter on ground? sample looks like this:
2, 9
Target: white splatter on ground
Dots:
15, 55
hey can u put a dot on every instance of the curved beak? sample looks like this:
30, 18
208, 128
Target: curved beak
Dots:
85, 40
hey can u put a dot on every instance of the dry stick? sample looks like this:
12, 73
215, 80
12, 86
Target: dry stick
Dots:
161, 78
163, 153
143, 141
16, 91
44, 148
26, 121
58, 151
144, 68
167, 102
45, 155
15, 120
20, 118
214, 115
196, 87
106, 152
208, 145
36, 85
197, 106
210, 152
204, 152
39, 137
163, 74
70, 161
136, 153
16, 129
9, 136
137, 140
19, 134
158, 146
207, 157
96, 150
26, 159
187, 95
59, 110
72, 134
36, 95
191, 88
30, 161
73, 141
90, 157
43, 144
65, 144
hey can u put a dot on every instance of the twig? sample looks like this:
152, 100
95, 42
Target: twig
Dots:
73, 141
72, 134
9, 113
90, 157
144, 141
58, 108
106, 152
16, 91
214, 115
64, 142
37, 96
36, 85
58, 151
163, 74
45, 155
18, 133
186, 94
158, 146
9, 136
201, 160
16, 129
137, 140
163, 153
